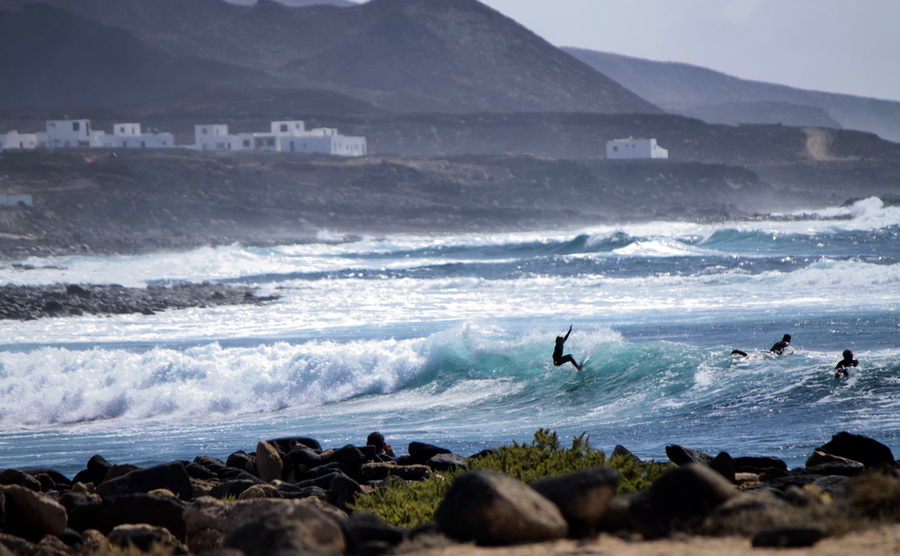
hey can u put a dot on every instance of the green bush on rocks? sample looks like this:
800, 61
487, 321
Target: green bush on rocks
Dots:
412, 504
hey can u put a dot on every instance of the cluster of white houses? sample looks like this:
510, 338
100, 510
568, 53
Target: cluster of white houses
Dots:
284, 136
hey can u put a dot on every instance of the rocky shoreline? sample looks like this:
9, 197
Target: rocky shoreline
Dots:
61, 300
292, 496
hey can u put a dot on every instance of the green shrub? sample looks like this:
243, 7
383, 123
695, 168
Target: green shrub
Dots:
409, 505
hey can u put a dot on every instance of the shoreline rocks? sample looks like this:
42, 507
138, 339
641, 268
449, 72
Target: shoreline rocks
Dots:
33, 302
291, 496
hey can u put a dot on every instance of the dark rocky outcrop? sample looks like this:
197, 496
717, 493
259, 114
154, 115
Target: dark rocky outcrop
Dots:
104, 515
680, 498
420, 452
493, 509
859, 448
170, 476
679, 455
582, 496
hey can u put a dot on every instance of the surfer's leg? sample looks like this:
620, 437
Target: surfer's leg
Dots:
568, 359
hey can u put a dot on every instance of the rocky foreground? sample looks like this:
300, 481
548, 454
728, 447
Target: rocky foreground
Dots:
291, 496
33, 302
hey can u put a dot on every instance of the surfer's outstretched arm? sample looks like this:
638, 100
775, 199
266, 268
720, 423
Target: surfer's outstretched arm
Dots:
566, 337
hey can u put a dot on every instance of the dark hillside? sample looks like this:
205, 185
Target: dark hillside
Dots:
51, 58
719, 98
409, 55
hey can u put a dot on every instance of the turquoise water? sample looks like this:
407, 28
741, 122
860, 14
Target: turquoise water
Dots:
447, 340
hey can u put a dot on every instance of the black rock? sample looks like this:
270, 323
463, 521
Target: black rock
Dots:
302, 456
620, 450
323, 482
419, 452
843, 469
16, 477
724, 464
679, 498
342, 490
859, 448
446, 462
230, 488
680, 455
582, 496
285, 445
170, 476
87, 513
97, 467
213, 465
197, 471
362, 528
492, 451
348, 455
293, 491
58, 478
326, 469
787, 537
242, 461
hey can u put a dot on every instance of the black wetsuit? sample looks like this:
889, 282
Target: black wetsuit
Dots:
558, 357
778, 349
843, 365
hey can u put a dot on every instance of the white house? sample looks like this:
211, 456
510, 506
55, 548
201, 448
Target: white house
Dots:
130, 136
634, 148
15, 141
283, 136
66, 133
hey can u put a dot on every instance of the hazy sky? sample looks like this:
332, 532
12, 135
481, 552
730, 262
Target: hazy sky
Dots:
839, 46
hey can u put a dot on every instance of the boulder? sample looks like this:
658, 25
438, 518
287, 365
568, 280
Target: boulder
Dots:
260, 491
680, 455
277, 534
582, 497
58, 478
446, 462
494, 509
292, 491
93, 541
119, 470
363, 529
16, 477
97, 467
242, 461
679, 498
86, 513
725, 465
10, 545
231, 488
209, 521
197, 471
145, 537
341, 490
348, 455
333, 467
492, 451
821, 458
171, 476
31, 515
859, 448
302, 458
214, 465
419, 452
287, 444
268, 462
622, 451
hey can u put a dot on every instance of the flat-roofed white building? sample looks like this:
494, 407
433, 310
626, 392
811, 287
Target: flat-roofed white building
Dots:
634, 148
130, 136
15, 141
212, 137
67, 134
286, 136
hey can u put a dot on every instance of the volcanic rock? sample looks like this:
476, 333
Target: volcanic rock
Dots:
31, 515
494, 509
582, 497
171, 476
858, 448
144, 536
268, 462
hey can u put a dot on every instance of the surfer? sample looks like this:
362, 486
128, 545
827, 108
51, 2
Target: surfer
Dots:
779, 347
558, 357
848, 361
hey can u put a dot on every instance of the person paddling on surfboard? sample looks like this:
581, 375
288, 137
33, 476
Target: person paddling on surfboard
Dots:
844, 364
558, 357
779, 347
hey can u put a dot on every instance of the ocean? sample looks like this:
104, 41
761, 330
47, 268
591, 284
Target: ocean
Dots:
447, 339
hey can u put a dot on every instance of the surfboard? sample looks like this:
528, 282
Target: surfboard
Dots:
583, 362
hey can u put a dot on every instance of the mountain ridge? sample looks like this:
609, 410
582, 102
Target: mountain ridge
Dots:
699, 92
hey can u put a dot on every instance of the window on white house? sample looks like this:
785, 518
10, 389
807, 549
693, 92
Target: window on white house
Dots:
284, 127
76, 126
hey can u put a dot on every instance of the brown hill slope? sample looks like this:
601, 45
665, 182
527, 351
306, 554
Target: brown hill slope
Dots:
410, 55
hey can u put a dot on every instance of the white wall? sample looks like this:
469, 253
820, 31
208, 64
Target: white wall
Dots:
288, 127
121, 130
618, 149
212, 137
68, 133
15, 141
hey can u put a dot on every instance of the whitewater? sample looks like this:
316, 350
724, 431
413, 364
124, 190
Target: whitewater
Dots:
447, 339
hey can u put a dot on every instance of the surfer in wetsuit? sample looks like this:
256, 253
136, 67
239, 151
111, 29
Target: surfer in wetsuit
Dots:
558, 357
778, 348
848, 361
